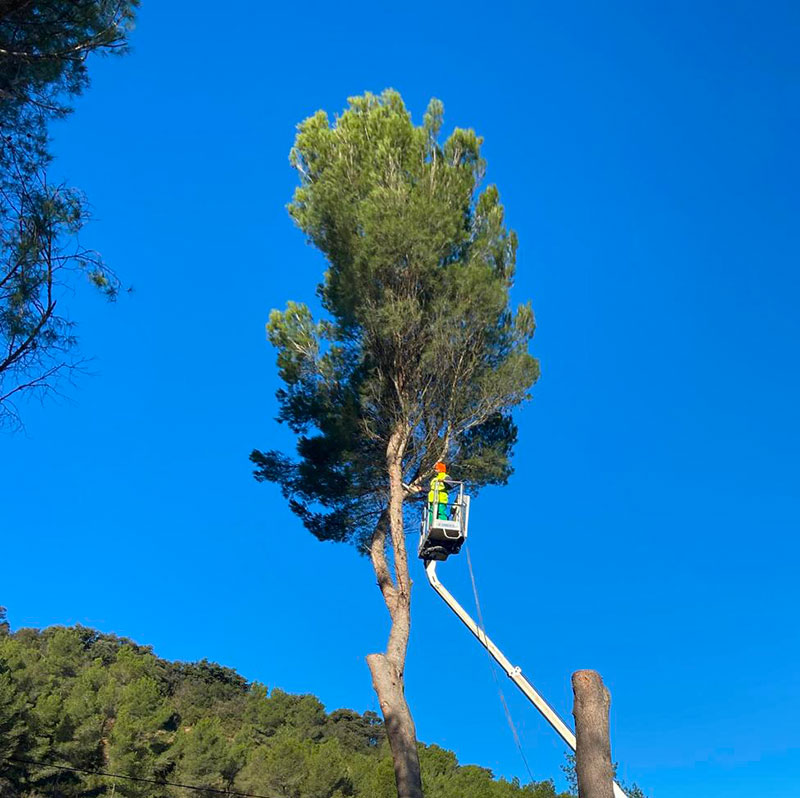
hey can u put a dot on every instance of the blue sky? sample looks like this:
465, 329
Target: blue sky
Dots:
647, 156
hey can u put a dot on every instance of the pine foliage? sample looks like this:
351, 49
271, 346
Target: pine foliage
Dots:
417, 338
44, 46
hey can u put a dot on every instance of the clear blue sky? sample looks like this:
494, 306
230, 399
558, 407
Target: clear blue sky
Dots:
647, 155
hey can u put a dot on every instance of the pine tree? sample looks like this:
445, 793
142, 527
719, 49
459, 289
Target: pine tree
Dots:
417, 358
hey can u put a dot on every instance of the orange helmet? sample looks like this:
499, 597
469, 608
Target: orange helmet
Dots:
441, 468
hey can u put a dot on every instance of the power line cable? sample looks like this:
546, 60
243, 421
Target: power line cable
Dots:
137, 778
507, 711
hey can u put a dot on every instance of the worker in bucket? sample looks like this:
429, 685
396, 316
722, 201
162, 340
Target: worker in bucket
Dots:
438, 493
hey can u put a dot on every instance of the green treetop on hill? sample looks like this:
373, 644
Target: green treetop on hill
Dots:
77, 698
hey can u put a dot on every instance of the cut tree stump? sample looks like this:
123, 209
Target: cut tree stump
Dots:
593, 748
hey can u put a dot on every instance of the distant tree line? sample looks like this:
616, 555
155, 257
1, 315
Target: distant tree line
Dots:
77, 698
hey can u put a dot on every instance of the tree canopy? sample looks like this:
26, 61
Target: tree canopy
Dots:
43, 49
417, 334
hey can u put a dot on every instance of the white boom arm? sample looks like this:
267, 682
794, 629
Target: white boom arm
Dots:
514, 673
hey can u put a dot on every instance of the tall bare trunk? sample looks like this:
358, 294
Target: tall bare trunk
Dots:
593, 752
388, 684
388, 668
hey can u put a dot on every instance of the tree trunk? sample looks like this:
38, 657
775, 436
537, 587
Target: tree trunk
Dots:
388, 669
400, 730
593, 753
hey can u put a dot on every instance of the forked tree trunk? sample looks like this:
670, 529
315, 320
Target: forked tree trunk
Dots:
593, 751
388, 668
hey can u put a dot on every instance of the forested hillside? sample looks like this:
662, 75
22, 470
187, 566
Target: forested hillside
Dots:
94, 702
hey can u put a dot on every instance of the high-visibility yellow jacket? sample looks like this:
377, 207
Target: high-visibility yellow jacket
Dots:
438, 487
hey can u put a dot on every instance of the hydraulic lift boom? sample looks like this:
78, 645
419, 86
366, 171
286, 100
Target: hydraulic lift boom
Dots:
514, 673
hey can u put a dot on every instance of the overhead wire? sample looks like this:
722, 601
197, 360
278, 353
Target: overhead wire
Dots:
493, 669
158, 782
